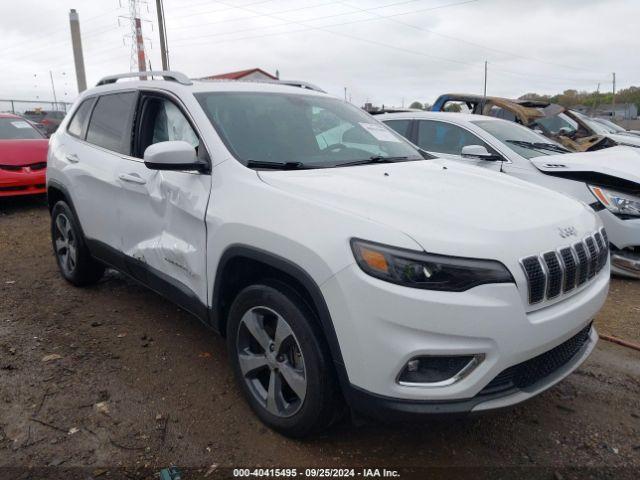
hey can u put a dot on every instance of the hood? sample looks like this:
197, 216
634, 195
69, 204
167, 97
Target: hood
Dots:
625, 138
446, 207
619, 162
23, 152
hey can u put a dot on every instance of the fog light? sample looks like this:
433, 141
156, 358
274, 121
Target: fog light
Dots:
413, 365
438, 370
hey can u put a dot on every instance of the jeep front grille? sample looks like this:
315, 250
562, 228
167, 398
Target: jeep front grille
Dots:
551, 273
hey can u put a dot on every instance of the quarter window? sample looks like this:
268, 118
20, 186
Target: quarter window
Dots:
76, 126
443, 137
110, 124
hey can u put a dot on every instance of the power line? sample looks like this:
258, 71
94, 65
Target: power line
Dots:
304, 22
47, 33
227, 8
324, 28
457, 39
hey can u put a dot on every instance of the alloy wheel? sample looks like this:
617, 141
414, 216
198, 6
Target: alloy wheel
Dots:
271, 361
65, 243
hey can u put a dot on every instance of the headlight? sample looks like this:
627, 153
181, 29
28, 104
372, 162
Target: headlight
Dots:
616, 202
426, 270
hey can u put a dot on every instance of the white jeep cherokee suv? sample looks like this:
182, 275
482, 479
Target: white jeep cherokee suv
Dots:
339, 262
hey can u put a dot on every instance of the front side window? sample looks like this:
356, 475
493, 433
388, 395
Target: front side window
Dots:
110, 124
76, 126
441, 137
13, 128
311, 130
163, 121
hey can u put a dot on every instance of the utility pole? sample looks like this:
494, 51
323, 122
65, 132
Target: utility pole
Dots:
595, 102
78, 57
53, 89
345, 94
484, 94
613, 103
162, 29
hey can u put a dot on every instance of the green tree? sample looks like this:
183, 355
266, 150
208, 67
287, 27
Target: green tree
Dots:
417, 105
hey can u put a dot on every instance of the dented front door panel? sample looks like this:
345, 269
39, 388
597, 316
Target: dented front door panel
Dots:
163, 226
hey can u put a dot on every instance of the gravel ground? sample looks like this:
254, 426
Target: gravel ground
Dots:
115, 376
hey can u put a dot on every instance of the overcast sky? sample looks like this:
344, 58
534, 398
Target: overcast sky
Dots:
383, 51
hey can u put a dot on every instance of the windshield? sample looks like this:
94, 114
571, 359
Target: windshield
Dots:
17, 129
271, 129
554, 123
612, 127
597, 127
520, 139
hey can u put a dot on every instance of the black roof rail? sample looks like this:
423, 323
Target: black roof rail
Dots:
166, 74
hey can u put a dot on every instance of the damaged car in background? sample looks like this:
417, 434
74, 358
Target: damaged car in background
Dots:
608, 180
577, 132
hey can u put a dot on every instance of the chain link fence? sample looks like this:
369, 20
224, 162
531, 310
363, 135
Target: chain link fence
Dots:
19, 107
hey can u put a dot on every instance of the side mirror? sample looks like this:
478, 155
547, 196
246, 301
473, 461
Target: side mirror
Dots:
173, 155
479, 152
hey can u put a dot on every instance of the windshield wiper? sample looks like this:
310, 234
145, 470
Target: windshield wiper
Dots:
539, 146
373, 159
276, 165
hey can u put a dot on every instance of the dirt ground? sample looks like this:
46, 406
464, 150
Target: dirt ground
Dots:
115, 376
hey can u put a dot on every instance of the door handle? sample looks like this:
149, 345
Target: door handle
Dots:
72, 157
132, 178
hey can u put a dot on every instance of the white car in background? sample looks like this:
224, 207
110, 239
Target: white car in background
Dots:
608, 180
612, 127
598, 128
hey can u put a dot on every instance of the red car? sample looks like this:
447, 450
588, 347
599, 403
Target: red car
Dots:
23, 157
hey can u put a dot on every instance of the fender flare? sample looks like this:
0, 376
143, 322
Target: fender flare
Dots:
67, 197
299, 274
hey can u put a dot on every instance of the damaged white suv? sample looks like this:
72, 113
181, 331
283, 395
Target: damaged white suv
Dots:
339, 262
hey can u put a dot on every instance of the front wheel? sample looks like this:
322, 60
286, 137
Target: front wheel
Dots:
74, 260
281, 361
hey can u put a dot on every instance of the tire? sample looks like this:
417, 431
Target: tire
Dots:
72, 255
297, 350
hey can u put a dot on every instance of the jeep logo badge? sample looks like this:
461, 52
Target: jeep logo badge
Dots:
567, 232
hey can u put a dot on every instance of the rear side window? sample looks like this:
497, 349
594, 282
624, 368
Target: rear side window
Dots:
110, 124
79, 120
400, 126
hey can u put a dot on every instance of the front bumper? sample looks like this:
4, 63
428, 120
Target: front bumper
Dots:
625, 263
21, 182
392, 409
381, 326
623, 235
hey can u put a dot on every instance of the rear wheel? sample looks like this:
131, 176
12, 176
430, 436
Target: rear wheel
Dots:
74, 260
281, 361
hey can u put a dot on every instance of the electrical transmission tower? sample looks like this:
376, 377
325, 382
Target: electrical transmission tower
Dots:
135, 19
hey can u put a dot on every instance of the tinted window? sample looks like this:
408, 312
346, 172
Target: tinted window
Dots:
442, 137
76, 126
109, 126
311, 129
400, 126
17, 129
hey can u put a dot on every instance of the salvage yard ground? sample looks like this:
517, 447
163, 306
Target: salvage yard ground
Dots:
114, 375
